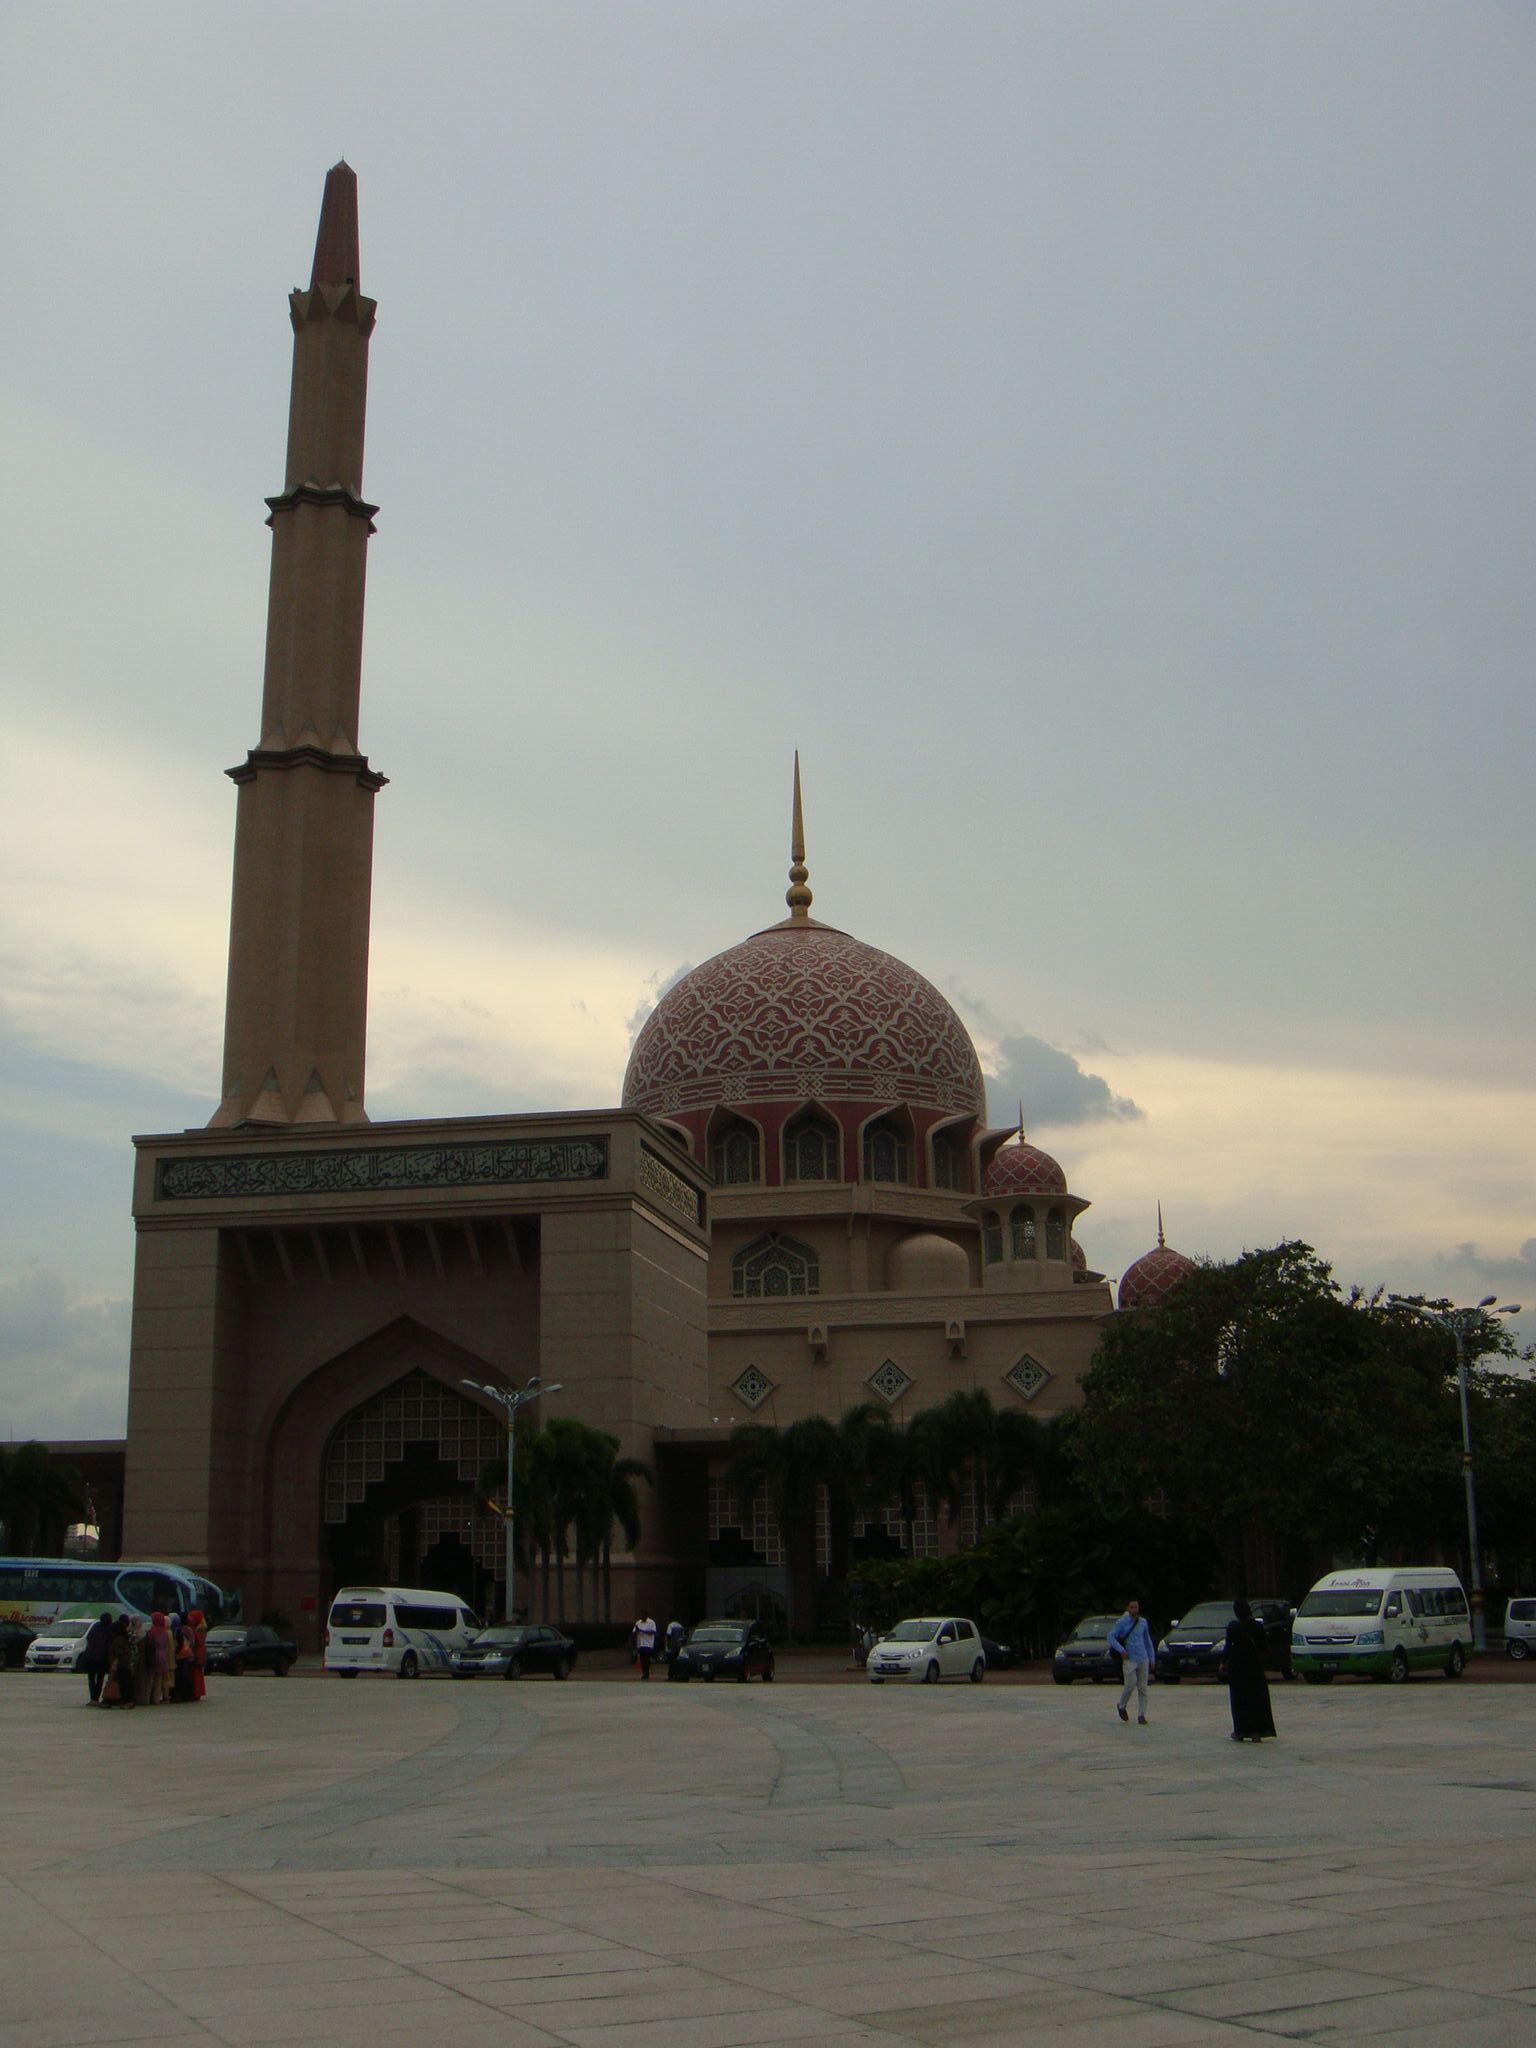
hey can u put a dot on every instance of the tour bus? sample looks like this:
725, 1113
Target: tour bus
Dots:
37, 1590
399, 1629
1382, 1622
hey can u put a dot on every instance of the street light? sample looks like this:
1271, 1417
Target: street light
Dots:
511, 1398
1461, 1323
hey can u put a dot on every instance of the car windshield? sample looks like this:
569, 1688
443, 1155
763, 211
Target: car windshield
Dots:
1346, 1600
717, 1632
1209, 1614
65, 1631
914, 1631
1095, 1631
226, 1635
497, 1638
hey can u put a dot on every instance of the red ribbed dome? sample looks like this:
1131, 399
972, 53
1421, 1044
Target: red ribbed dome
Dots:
801, 1013
1153, 1277
1079, 1258
1023, 1169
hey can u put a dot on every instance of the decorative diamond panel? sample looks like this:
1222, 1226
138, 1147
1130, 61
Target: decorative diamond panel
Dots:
753, 1386
889, 1381
1027, 1377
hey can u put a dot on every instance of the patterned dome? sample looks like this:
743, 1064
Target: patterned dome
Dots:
1079, 1258
802, 1012
1023, 1169
1153, 1277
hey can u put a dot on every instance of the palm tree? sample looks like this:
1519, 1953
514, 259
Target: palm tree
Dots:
785, 1466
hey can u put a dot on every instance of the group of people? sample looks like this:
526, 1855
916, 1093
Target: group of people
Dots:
130, 1665
1253, 1718
643, 1639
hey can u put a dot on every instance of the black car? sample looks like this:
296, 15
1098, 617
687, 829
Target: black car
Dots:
515, 1652
999, 1656
1085, 1653
236, 1649
14, 1638
724, 1649
1194, 1646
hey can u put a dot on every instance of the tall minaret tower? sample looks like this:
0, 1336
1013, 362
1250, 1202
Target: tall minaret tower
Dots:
296, 1012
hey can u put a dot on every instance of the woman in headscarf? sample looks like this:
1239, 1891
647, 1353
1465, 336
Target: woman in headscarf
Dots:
122, 1664
181, 1659
158, 1656
138, 1650
1247, 1686
197, 1623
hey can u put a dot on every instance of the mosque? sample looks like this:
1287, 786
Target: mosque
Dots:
798, 1206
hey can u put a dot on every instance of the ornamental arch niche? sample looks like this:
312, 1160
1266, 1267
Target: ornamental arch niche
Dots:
386, 1418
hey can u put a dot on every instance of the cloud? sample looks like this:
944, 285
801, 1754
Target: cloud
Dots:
63, 1357
1053, 1088
1518, 1271
655, 988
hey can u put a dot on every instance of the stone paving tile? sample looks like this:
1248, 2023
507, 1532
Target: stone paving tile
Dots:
1242, 1997
1379, 2013
729, 2030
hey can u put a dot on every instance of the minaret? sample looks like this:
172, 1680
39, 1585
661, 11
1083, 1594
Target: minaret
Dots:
296, 1011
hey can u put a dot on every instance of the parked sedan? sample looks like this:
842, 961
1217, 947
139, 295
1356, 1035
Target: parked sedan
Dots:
14, 1638
1085, 1653
57, 1646
516, 1652
928, 1649
1194, 1646
237, 1650
724, 1649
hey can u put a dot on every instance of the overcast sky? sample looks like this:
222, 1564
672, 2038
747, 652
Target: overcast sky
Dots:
1099, 436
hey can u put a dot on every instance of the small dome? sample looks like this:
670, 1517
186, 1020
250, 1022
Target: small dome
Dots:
1023, 1169
1079, 1258
1153, 1277
927, 1263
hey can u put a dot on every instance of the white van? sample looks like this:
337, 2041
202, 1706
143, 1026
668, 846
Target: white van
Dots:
400, 1629
1382, 1621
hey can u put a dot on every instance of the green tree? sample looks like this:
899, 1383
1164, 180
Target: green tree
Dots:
39, 1498
1260, 1396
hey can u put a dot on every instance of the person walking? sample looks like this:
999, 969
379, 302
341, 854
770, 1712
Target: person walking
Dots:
645, 1643
181, 1659
199, 1626
676, 1635
1253, 1717
96, 1655
1131, 1640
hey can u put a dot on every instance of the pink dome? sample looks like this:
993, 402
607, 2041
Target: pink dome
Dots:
1153, 1277
1023, 1169
1079, 1258
797, 1013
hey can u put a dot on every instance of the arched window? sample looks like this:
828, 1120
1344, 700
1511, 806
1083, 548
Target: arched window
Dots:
949, 1163
1024, 1245
810, 1148
886, 1154
1055, 1235
774, 1265
733, 1157
992, 1239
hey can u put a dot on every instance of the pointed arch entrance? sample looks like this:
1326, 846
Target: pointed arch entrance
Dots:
401, 1504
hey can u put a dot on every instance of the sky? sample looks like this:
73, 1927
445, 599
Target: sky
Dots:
1097, 435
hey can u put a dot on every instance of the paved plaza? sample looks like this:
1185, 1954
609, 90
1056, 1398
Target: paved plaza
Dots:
616, 1865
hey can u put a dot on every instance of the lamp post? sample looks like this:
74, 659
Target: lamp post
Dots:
511, 1398
1463, 1323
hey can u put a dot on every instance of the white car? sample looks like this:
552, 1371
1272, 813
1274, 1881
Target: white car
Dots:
58, 1646
929, 1649
1520, 1630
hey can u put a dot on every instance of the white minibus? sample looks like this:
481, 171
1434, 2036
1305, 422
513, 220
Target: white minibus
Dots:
1382, 1621
399, 1629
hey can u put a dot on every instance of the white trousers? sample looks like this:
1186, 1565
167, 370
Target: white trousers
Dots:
1135, 1682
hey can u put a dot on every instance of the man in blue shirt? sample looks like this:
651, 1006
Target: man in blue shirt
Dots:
1131, 1639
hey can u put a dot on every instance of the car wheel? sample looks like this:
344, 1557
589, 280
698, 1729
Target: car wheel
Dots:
768, 1674
237, 1667
1399, 1671
409, 1668
931, 1675
1518, 1648
514, 1668
280, 1668
743, 1674
978, 1670
562, 1667
1456, 1663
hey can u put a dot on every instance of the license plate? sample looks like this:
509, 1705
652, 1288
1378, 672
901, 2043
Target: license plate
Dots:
1329, 1664
354, 1642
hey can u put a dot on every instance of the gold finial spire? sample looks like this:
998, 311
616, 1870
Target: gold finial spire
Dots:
1021, 1123
797, 895
1160, 1238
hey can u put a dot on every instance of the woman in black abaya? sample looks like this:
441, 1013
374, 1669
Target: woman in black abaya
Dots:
1247, 1686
